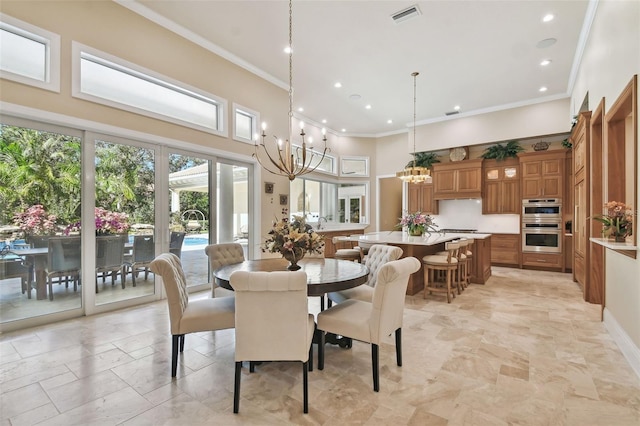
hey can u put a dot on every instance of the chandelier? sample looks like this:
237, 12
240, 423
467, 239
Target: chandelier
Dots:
414, 174
288, 159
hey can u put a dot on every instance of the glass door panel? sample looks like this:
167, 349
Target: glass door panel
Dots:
232, 211
124, 220
190, 207
40, 256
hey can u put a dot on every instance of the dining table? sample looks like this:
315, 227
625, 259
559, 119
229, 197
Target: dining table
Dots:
323, 275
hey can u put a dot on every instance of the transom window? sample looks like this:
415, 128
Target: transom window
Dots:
245, 127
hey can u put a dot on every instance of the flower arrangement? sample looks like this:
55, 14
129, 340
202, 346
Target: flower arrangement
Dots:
293, 239
108, 222
618, 221
417, 223
35, 221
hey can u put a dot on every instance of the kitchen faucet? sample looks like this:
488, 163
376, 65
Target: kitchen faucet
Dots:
320, 219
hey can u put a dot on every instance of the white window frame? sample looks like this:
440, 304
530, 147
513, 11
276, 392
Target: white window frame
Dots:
79, 49
333, 172
51, 41
347, 164
255, 117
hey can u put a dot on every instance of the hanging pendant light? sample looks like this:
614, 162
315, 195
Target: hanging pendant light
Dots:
414, 174
290, 160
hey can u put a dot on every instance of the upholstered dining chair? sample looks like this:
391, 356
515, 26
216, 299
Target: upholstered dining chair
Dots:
110, 258
219, 256
370, 322
272, 322
378, 255
185, 316
63, 261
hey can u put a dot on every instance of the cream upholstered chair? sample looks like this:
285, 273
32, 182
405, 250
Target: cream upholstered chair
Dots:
440, 262
189, 317
272, 322
371, 321
219, 256
378, 255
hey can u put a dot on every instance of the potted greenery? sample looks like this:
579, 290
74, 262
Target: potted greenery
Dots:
424, 159
501, 152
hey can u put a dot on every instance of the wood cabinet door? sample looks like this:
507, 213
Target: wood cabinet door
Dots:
531, 187
414, 197
531, 169
552, 186
445, 181
579, 221
491, 199
429, 204
551, 167
511, 203
470, 180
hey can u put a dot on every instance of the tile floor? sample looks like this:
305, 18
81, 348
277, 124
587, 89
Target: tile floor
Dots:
522, 349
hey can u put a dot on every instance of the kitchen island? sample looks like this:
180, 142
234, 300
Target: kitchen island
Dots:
418, 247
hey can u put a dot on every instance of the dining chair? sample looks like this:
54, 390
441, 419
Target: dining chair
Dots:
370, 322
63, 260
189, 316
144, 251
110, 258
273, 322
16, 267
175, 243
378, 255
221, 255
345, 251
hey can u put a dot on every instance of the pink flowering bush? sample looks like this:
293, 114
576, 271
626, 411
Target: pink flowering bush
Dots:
35, 221
108, 222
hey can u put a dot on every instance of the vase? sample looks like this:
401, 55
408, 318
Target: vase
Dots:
293, 257
620, 238
416, 232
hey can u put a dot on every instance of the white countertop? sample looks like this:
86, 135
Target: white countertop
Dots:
399, 237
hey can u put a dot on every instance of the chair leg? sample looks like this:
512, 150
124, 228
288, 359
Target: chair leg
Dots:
123, 275
175, 342
236, 388
329, 302
133, 276
182, 343
321, 351
305, 388
321, 303
311, 357
399, 347
376, 370
252, 367
50, 282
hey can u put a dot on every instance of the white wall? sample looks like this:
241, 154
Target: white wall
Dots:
467, 214
611, 58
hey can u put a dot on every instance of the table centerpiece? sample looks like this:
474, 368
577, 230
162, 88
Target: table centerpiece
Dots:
293, 239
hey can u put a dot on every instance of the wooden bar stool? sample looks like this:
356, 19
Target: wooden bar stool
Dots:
352, 254
461, 272
448, 264
469, 254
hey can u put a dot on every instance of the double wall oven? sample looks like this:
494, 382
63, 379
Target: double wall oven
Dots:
542, 230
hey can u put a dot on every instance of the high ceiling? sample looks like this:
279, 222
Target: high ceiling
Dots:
479, 55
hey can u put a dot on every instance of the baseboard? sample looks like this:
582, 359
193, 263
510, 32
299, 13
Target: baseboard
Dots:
630, 351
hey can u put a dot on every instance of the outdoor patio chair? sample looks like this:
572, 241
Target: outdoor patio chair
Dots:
144, 251
15, 267
110, 258
175, 243
63, 261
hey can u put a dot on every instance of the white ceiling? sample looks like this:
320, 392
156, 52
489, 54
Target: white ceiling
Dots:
481, 55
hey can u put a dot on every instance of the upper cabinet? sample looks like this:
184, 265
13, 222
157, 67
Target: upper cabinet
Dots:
421, 199
457, 180
542, 174
501, 187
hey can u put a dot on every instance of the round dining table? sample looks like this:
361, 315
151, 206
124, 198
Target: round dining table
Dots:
323, 275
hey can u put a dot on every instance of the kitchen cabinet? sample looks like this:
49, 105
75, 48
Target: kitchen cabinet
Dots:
480, 268
505, 250
542, 174
457, 180
329, 247
420, 198
501, 187
546, 261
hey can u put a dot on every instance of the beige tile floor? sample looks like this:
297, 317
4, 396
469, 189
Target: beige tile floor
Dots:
522, 349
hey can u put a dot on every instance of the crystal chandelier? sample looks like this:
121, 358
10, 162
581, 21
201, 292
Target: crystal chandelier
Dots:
414, 174
290, 160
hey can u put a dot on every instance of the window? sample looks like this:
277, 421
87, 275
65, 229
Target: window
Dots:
335, 202
113, 82
245, 126
29, 55
354, 166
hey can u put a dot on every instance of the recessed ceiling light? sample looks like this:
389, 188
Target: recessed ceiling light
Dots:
344, 130
548, 17
287, 50
337, 85
355, 97
457, 107
545, 62
324, 121
543, 89
367, 107
547, 42
300, 109
389, 121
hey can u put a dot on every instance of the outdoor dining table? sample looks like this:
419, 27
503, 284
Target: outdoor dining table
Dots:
323, 275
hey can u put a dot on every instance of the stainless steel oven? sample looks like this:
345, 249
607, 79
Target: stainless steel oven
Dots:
542, 236
542, 209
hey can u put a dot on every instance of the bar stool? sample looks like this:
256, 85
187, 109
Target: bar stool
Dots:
461, 272
352, 254
448, 264
469, 254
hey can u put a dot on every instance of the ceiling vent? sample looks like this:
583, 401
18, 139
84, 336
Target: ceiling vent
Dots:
451, 113
408, 13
